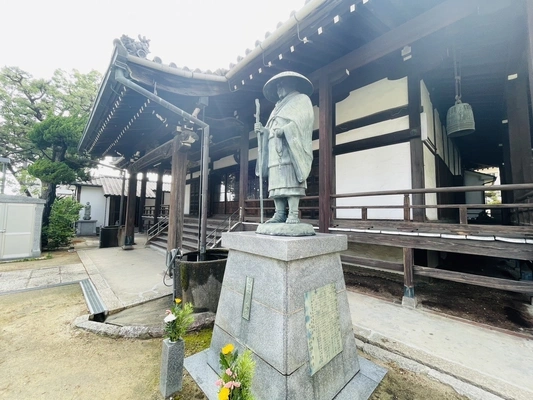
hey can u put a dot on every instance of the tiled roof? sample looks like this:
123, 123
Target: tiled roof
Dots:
112, 186
222, 71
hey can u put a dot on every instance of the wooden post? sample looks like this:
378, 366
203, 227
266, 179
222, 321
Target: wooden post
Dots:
408, 299
129, 236
158, 193
417, 150
142, 202
529, 52
364, 213
463, 215
406, 207
325, 133
519, 131
177, 194
243, 171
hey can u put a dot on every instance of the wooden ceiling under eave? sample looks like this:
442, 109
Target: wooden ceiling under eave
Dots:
487, 40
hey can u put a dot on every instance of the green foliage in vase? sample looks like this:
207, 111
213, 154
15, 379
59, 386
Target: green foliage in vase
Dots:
178, 320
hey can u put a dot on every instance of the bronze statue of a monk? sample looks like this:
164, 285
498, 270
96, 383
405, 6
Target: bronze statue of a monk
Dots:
286, 143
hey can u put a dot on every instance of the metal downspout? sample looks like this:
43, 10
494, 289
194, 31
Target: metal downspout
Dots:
121, 78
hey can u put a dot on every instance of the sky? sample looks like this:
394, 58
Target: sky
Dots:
40, 36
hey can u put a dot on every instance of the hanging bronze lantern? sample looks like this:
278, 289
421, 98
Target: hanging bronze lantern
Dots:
460, 117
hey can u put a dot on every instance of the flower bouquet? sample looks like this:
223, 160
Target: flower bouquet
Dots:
178, 320
237, 374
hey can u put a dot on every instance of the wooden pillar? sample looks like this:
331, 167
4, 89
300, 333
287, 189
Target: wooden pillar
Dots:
408, 299
129, 236
416, 145
142, 202
519, 130
325, 134
158, 193
177, 194
243, 171
529, 52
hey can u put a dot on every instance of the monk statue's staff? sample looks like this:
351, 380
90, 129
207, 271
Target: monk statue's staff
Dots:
259, 157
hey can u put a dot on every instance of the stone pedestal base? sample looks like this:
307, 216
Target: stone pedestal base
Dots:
262, 307
86, 227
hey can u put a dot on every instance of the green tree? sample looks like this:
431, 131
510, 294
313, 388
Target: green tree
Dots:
41, 122
60, 230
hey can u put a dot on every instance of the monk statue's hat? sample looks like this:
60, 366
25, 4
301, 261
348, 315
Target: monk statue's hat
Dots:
302, 85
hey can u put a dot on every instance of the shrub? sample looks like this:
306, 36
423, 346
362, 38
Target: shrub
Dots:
64, 213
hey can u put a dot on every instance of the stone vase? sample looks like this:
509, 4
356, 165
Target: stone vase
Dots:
171, 376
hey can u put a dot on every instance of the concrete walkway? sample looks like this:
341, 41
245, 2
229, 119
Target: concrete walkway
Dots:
478, 362
465, 355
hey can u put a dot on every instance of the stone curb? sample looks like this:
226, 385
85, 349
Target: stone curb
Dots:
201, 321
466, 382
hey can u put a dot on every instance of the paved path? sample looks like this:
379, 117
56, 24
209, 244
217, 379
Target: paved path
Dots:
124, 278
500, 363
14, 281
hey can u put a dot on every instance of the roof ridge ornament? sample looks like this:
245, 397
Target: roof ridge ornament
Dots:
139, 48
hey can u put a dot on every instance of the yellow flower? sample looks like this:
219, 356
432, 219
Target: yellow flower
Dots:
178, 301
223, 394
227, 349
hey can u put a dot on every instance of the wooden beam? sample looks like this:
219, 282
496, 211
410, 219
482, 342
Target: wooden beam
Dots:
422, 25
529, 52
158, 193
159, 154
478, 280
142, 202
463, 246
416, 145
373, 263
519, 131
243, 169
177, 194
373, 142
325, 153
129, 237
408, 280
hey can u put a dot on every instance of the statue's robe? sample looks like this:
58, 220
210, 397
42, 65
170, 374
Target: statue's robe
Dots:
287, 160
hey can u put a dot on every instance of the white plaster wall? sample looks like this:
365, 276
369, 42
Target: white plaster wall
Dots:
430, 180
187, 206
384, 168
224, 162
378, 96
95, 196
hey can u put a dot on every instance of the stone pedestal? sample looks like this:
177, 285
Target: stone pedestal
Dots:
274, 292
86, 227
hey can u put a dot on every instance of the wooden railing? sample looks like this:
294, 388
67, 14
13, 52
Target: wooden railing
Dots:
409, 193
150, 210
523, 203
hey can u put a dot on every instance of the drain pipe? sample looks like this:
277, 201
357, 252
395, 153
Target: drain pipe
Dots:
121, 78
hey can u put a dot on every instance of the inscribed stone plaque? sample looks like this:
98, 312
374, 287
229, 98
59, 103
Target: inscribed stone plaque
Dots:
247, 298
322, 322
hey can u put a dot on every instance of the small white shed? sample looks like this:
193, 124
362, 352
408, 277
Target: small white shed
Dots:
20, 227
